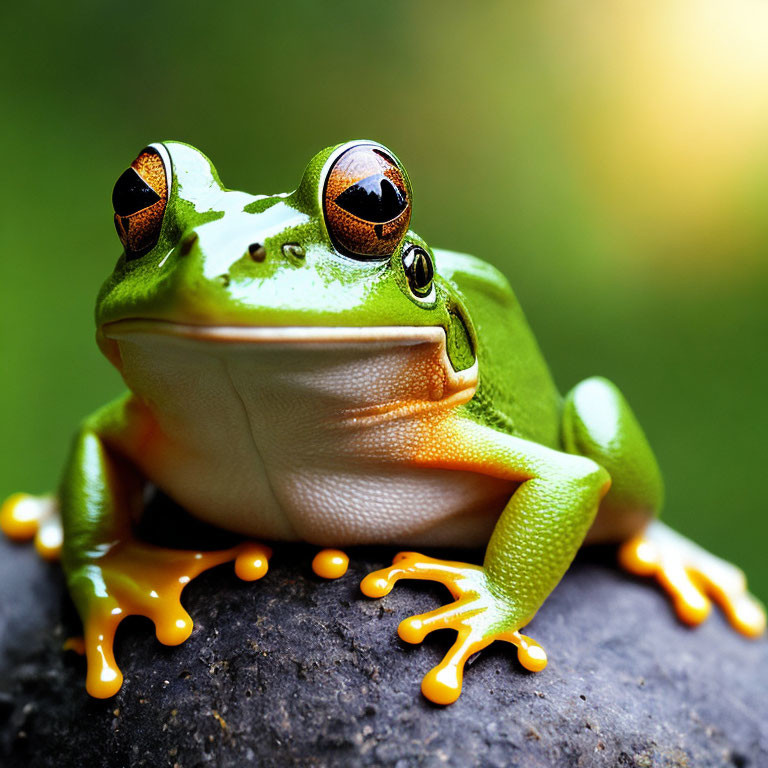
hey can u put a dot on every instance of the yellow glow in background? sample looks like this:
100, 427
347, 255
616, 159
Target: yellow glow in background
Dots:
667, 118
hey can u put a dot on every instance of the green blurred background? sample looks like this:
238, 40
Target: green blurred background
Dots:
610, 157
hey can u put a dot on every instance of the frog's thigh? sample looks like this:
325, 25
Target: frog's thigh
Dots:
599, 424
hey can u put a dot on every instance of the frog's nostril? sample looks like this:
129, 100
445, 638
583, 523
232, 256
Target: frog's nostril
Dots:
257, 251
187, 245
223, 280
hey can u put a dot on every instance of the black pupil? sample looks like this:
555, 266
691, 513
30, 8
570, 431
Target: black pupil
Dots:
418, 269
375, 199
132, 194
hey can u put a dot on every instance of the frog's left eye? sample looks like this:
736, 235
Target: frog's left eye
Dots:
139, 199
367, 202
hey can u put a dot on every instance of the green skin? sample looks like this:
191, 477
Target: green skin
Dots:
564, 452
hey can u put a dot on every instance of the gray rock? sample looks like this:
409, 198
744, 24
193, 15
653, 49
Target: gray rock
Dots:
297, 671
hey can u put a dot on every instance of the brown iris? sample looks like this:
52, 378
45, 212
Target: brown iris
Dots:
139, 199
367, 202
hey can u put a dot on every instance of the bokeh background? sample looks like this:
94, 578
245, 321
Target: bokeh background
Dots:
611, 157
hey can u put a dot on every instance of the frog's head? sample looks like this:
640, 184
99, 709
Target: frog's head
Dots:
333, 259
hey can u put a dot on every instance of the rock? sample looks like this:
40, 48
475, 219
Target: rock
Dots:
294, 670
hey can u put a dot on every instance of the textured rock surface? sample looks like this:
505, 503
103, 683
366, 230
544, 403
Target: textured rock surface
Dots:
293, 670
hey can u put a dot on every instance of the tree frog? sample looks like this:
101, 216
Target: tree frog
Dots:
304, 366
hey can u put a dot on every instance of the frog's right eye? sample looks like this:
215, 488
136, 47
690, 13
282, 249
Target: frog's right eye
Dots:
139, 199
367, 202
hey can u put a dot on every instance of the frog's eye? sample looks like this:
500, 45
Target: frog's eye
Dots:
139, 199
367, 202
418, 269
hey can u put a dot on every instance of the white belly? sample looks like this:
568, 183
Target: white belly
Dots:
282, 440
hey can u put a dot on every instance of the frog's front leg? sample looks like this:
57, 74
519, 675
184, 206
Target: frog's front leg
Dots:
533, 543
110, 573
598, 423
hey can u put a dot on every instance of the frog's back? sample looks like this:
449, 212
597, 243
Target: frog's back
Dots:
516, 392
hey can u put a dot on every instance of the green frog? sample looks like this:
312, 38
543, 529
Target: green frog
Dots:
305, 367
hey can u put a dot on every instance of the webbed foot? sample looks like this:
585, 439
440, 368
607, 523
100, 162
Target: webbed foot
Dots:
134, 578
691, 575
477, 614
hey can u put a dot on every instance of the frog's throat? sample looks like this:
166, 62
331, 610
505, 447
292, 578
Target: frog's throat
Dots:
447, 386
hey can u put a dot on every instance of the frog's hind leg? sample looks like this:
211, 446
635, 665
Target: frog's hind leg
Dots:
24, 517
598, 423
691, 575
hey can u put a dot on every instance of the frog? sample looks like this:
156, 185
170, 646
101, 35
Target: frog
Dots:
304, 367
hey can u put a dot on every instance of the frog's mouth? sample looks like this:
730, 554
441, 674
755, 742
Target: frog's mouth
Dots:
417, 353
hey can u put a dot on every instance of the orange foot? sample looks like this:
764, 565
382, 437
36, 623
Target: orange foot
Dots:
478, 615
134, 578
330, 563
24, 517
691, 575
